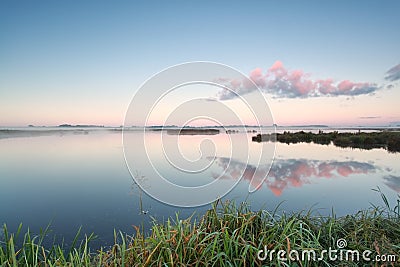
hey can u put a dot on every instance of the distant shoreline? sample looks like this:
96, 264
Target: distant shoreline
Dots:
193, 131
13, 132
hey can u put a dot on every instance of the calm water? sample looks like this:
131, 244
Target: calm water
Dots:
74, 180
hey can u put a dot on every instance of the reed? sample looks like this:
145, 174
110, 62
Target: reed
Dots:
228, 234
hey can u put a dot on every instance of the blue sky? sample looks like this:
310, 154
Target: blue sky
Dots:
82, 61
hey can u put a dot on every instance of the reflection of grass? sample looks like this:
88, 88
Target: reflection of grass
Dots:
385, 139
136, 180
227, 235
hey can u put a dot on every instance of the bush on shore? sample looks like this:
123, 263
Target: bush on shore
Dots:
384, 139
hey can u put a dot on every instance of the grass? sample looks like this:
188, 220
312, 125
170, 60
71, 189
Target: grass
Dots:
227, 235
389, 140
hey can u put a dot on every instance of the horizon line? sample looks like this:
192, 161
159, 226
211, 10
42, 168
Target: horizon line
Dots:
197, 126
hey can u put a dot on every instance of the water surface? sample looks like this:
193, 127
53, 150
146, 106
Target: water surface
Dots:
80, 179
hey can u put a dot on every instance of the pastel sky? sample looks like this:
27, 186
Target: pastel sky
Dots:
317, 62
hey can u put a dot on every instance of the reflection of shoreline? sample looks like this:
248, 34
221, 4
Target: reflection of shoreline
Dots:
48, 131
291, 172
35, 133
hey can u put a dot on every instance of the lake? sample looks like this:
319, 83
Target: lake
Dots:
80, 178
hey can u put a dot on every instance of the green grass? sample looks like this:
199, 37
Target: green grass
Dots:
389, 140
228, 234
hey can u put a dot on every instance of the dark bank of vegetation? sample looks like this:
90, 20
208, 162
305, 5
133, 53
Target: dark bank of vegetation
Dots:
389, 140
192, 131
227, 235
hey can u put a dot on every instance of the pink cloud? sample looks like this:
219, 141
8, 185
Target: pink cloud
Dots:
257, 77
235, 84
277, 66
345, 85
350, 86
281, 82
326, 86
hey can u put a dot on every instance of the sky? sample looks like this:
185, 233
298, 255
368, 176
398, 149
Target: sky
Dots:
316, 62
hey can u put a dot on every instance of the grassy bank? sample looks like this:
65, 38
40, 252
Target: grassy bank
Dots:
227, 235
389, 140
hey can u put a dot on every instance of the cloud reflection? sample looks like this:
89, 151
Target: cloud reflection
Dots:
393, 182
292, 172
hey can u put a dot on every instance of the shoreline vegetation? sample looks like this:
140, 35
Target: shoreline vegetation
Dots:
226, 235
194, 131
389, 140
